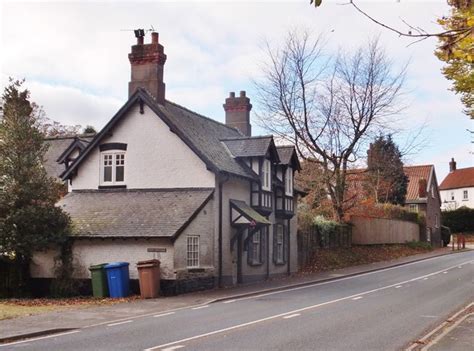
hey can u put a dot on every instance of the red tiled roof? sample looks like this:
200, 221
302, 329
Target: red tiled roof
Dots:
415, 174
460, 178
356, 179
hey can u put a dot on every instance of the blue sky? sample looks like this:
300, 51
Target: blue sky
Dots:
74, 56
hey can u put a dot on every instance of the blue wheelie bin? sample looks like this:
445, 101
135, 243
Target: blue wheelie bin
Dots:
118, 279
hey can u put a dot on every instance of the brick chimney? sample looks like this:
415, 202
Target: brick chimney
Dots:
452, 165
422, 184
237, 112
147, 61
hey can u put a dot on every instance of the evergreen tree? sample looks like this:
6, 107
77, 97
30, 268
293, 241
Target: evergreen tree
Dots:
387, 181
29, 219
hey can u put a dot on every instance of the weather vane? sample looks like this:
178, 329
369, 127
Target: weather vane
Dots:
139, 33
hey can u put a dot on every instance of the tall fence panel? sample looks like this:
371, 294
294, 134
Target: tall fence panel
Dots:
311, 239
369, 231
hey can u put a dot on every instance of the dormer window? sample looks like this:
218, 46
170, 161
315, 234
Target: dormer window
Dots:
266, 175
289, 181
112, 164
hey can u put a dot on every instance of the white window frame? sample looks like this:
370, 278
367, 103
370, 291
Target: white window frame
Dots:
436, 221
289, 181
465, 195
413, 208
432, 192
267, 175
192, 251
115, 155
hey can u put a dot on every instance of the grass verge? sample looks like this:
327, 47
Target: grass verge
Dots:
325, 260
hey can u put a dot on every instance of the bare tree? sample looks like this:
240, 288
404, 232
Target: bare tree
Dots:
329, 107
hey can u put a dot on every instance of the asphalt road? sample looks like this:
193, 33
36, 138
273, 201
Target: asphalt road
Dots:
383, 310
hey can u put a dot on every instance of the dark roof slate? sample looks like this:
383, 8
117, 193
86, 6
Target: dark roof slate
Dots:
133, 213
56, 147
287, 155
200, 133
249, 146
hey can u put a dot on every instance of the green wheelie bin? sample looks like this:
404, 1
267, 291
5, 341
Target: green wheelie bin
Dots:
100, 287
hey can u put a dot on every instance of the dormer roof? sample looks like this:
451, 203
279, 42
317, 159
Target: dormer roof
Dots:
258, 146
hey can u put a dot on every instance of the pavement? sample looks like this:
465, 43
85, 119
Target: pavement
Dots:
71, 321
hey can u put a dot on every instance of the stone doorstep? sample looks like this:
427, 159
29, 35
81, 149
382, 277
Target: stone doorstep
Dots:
199, 298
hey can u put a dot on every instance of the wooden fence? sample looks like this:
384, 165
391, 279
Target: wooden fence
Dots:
312, 239
369, 231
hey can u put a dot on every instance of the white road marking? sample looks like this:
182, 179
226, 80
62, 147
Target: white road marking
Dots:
173, 348
425, 278
446, 272
162, 315
292, 316
40, 338
118, 323
347, 278
459, 266
200, 307
398, 287
294, 311
230, 301
428, 316
357, 298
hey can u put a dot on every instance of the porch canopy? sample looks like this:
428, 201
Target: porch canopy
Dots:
244, 217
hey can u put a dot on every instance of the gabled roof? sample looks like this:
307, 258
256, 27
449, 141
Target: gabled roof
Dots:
77, 143
356, 179
258, 146
248, 212
56, 147
415, 174
199, 133
460, 178
288, 156
133, 213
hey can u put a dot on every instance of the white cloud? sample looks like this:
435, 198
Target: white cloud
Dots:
74, 54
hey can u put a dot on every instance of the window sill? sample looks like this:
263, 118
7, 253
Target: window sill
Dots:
112, 186
280, 263
255, 264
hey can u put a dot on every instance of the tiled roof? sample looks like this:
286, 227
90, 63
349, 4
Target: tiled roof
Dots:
205, 134
248, 146
200, 133
56, 146
133, 213
357, 177
415, 174
285, 153
460, 178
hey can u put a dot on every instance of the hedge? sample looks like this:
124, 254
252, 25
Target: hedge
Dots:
460, 220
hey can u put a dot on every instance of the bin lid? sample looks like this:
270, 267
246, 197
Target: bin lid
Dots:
153, 262
97, 266
116, 265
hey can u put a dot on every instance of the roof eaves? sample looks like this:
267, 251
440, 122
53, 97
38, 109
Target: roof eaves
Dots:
191, 218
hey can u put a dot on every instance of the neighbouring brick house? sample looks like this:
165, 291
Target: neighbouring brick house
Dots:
219, 201
457, 189
422, 197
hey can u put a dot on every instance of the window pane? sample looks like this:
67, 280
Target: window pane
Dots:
107, 174
119, 174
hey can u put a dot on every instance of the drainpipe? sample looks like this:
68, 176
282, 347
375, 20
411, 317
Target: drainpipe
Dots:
289, 241
221, 182
267, 240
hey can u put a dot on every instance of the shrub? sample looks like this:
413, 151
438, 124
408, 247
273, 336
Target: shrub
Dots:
419, 245
460, 220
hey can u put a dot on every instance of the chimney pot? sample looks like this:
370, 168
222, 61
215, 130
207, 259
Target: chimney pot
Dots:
139, 40
242, 93
452, 165
154, 38
232, 94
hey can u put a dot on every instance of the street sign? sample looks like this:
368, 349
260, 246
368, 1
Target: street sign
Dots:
156, 249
